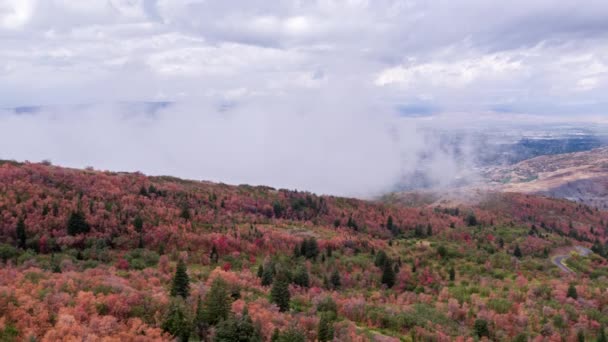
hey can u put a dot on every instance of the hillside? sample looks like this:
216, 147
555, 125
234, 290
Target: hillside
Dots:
580, 176
96, 254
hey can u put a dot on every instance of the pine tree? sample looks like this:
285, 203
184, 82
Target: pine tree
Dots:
214, 256
21, 234
452, 274
279, 294
389, 223
237, 329
601, 337
177, 321
216, 305
276, 334
572, 292
291, 335
181, 281
481, 328
335, 280
326, 330
260, 271
77, 224
388, 275
267, 275
301, 277
517, 252
200, 326
381, 259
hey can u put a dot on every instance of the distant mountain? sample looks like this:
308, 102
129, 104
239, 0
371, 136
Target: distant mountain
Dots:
579, 176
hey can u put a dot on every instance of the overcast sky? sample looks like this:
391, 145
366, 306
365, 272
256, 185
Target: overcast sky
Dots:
289, 77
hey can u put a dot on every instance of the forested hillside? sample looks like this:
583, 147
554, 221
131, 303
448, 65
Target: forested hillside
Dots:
126, 257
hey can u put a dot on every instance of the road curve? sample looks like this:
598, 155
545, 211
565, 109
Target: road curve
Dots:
560, 259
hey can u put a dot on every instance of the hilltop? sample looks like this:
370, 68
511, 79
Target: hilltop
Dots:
98, 254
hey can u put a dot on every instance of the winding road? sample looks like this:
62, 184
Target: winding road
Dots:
559, 259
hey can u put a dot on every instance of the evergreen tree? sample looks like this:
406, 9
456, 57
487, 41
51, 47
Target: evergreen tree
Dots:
291, 335
388, 275
237, 329
601, 337
77, 224
326, 329
572, 292
181, 281
481, 328
267, 275
200, 326
138, 223
276, 334
279, 294
429, 230
517, 252
214, 256
452, 274
177, 321
335, 280
216, 305
21, 234
301, 277
389, 224
381, 259
260, 271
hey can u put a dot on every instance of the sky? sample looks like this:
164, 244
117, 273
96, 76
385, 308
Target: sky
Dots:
324, 95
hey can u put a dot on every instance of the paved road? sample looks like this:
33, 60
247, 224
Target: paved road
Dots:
559, 260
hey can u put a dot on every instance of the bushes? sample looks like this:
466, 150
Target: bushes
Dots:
141, 258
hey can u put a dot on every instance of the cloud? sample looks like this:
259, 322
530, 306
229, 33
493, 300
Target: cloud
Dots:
347, 76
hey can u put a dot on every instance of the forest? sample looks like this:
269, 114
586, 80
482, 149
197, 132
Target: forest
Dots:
89, 255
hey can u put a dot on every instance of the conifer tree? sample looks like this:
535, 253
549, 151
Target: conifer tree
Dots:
77, 224
326, 330
388, 275
452, 273
177, 321
214, 256
216, 305
279, 294
301, 277
267, 275
572, 292
517, 252
260, 271
335, 280
21, 234
181, 281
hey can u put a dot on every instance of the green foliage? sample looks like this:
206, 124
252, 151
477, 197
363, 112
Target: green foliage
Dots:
21, 234
77, 224
452, 273
388, 275
517, 252
572, 292
325, 331
471, 220
601, 337
290, 335
500, 305
177, 320
279, 294
381, 259
327, 305
216, 305
141, 258
267, 275
309, 248
181, 281
301, 277
237, 329
335, 280
8, 252
481, 328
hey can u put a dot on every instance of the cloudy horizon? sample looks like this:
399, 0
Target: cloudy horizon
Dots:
328, 95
